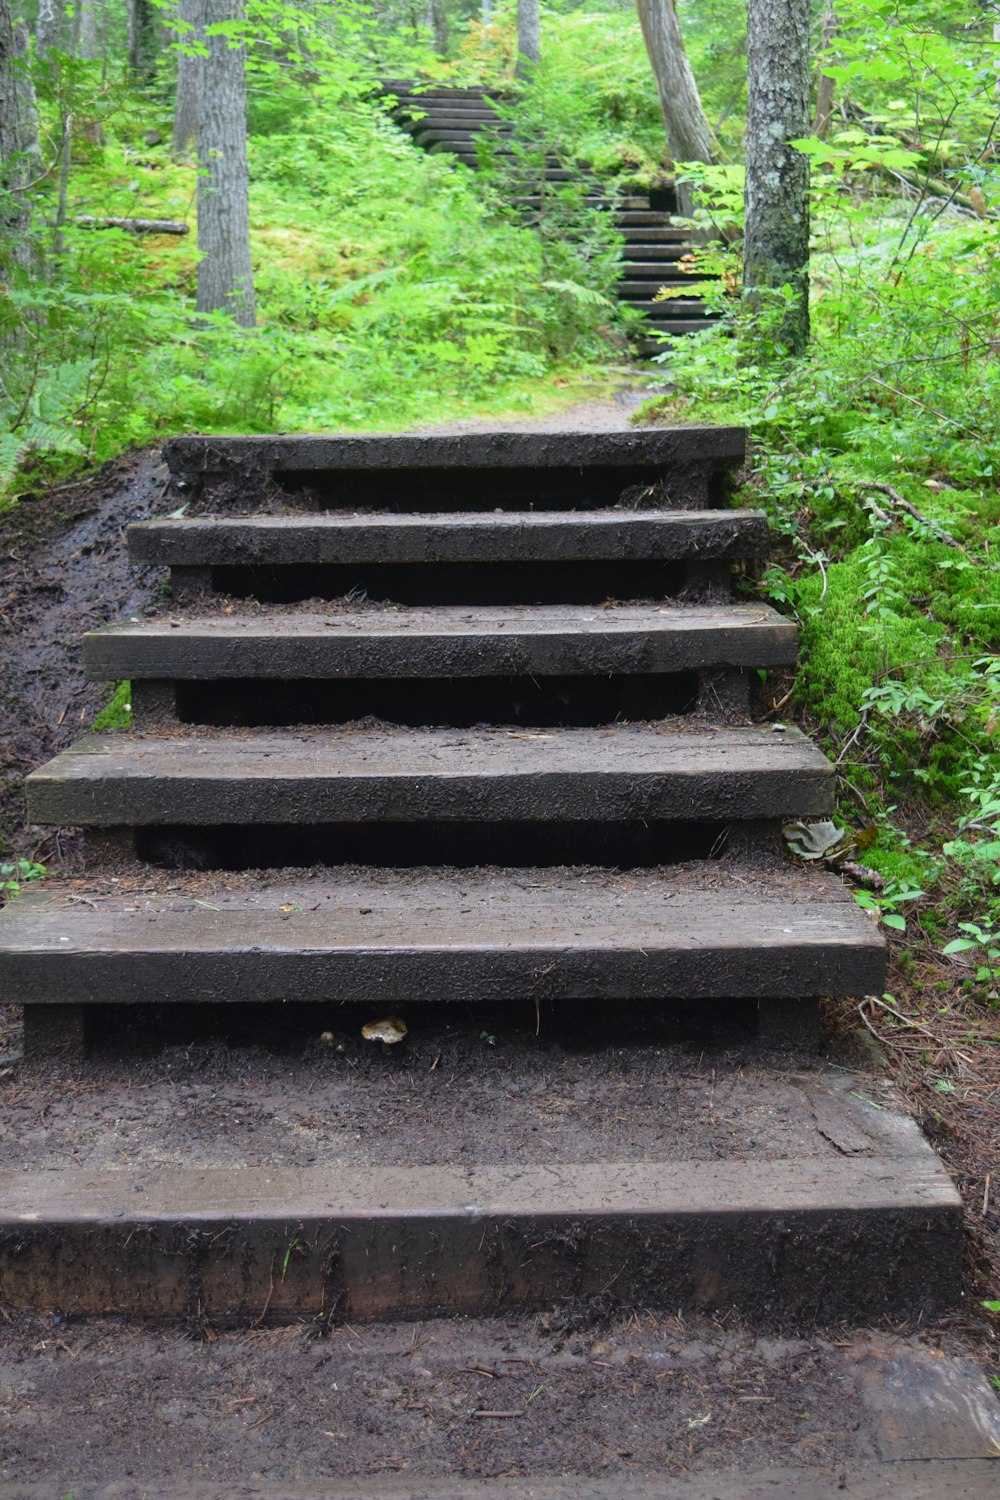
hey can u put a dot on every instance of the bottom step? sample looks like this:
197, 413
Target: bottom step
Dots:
467, 1182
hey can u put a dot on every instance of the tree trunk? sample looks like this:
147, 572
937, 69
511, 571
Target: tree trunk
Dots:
189, 70
86, 30
529, 38
486, 11
49, 26
776, 243
439, 23
225, 273
19, 149
825, 87
688, 135
142, 38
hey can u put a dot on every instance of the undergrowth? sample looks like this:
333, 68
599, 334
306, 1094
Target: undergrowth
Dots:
877, 458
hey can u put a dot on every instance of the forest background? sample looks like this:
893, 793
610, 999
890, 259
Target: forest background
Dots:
396, 287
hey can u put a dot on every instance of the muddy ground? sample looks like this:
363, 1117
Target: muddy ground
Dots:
63, 570
84, 1404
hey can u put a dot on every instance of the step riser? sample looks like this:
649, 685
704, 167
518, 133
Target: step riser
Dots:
453, 845
469, 583
506, 1244
522, 702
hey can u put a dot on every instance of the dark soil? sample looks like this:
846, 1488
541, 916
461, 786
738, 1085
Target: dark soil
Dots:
651, 1396
64, 570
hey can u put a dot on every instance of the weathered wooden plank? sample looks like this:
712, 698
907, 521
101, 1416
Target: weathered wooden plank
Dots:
620, 773
527, 536
858, 1237
470, 936
446, 641
641, 448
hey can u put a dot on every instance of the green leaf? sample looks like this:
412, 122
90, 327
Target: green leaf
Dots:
898, 923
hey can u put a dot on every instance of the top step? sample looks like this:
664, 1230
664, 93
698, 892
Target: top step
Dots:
669, 467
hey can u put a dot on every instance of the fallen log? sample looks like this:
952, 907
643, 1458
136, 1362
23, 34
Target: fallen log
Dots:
134, 226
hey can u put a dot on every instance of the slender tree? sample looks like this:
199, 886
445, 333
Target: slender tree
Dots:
19, 149
225, 272
776, 242
189, 69
87, 45
49, 26
825, 87
142, 37
439, 25
688, 135
529, 38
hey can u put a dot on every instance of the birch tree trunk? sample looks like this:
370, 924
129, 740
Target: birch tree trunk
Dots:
225, 272
142, 37
189, 71
529, 38
776, 242
688, 135
49, 26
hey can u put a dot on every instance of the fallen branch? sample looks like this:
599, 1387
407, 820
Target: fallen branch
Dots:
133, 226
911, 510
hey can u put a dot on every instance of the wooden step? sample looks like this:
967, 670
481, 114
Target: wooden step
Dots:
625, 773
626, 218
656, 253
870, 1228
516, 470
665, 269
640, 290
691, 933
673, 309
426, 131
649, 234
446, 641
649, 347
514, 536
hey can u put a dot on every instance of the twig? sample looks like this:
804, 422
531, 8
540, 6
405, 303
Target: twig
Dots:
941, 416
986, 1195
911, 510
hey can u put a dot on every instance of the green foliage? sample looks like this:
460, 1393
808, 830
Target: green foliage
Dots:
393, 286
877, 457
13, 876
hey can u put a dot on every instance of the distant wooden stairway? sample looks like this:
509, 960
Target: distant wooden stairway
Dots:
450, 119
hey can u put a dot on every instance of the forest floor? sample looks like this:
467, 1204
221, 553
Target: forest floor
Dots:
63, 570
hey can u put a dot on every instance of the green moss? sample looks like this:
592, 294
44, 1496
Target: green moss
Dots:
118, 713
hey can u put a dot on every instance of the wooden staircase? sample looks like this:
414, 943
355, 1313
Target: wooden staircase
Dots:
452, 120
528, 775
